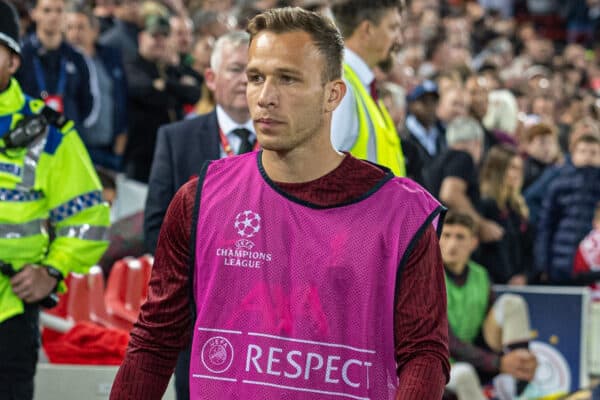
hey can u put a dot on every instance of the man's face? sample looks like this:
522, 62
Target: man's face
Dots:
181, 34
228, 81
201, 54
49, 15
153, 47
9, 63
79, 30
286, 92
452, 104
457, 243
386, 37
586, 155
424, 108
477, 87
129, 11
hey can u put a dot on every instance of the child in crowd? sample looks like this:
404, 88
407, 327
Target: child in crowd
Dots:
568, 210
487, 337
542, 150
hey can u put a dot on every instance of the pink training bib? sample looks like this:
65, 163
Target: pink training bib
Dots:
296, 301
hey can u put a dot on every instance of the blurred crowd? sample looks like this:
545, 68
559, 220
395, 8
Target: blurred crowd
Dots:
496, 102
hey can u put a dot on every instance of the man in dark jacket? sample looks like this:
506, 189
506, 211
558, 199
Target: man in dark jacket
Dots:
53, 70
156, 95
124, 33
568, 210
104, 131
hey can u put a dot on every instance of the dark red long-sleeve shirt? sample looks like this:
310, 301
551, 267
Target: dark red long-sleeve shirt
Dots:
164, 327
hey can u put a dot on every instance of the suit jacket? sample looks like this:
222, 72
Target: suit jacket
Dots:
181, 150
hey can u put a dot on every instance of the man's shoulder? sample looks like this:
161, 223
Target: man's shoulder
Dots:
111, 36
193, 127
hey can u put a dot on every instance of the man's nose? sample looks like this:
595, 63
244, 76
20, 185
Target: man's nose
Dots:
269, 94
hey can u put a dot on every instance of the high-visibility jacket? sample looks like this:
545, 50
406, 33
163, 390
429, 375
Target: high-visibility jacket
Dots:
387, 142
50, 185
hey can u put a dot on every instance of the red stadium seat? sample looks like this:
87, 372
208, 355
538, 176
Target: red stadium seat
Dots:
127, 287
78, 305
98, 312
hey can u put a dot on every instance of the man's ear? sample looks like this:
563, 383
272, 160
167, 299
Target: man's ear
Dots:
209, 79
15, 63
364, 28
336, 91
474, 243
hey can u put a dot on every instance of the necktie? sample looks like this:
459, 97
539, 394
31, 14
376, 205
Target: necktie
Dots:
373, 87
244, 135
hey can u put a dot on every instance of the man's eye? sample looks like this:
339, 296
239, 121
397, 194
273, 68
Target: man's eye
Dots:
287, 79
254, 78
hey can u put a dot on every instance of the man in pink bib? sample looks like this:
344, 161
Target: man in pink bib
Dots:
297, 272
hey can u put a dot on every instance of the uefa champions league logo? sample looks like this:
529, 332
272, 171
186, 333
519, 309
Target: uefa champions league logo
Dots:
217, 354
247, 224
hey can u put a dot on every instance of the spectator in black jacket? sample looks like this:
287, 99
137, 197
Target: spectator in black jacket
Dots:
568, 210
53, 70
509, 259
156, 95
103, 133
452, 177
421, 122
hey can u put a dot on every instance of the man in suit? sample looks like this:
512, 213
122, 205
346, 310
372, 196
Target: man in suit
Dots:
183, 147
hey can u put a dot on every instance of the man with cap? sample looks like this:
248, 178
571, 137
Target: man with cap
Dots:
422, 127
51, 68
46, 180
361, 124
156, 95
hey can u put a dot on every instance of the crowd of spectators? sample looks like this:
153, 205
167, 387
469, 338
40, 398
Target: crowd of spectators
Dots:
497, 101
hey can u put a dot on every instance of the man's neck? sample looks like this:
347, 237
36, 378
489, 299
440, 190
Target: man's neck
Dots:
456, 269
4, 86
352, 44
89, 50
48, 40
301, 164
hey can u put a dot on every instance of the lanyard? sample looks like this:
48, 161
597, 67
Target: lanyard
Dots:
41, 80
227, 147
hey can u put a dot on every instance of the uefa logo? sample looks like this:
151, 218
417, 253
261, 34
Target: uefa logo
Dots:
217, 354
247, 224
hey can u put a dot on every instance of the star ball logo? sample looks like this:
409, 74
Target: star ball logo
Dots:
245, 253
217, 354
247, 224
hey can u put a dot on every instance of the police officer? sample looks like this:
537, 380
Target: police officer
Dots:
47, 184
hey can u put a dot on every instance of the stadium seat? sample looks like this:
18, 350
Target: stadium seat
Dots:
77, 298
127, 287
98, 312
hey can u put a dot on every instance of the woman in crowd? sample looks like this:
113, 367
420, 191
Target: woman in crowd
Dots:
508, 260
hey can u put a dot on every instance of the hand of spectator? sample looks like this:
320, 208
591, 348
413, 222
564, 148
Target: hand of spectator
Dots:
520, 363
490, 231
518, 280
159, 84
178, 6
189, 80
32, 284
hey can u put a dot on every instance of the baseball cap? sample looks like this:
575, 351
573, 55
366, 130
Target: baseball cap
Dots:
157, 24
426, 87
9, 27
